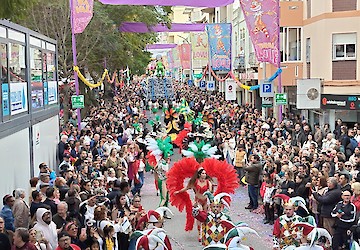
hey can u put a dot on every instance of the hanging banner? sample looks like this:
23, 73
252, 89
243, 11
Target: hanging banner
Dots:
134, 27
198, 3
82, 13
230, 90
185, 55
262, 19
170, 60
200, 50
220, 45
176, 59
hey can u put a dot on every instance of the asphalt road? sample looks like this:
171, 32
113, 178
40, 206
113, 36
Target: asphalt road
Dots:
188, 240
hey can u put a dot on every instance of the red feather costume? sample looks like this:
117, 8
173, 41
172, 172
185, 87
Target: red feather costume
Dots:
226, 176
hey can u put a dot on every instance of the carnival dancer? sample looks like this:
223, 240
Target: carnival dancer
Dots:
233, 238
285, 232
212, 230
224, 173
312, 235
159, 154
152, 225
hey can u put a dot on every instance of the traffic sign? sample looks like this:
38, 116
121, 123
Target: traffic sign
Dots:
190, 83
202, 85
280, 99
267, 102
77, 101
266, 89
210, 85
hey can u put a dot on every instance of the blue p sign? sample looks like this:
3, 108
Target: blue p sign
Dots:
267, 88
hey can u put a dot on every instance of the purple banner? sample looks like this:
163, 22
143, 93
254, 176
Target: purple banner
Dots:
192, 3
219, 35
262, 19
82, 13
175, 27
160, 46
185, 55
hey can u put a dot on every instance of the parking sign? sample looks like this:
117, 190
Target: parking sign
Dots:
210, 85
266, 89
202, 85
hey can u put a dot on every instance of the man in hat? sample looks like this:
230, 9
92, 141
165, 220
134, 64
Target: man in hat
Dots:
212, 230
6, 213
65, 242
65, 164
285, 232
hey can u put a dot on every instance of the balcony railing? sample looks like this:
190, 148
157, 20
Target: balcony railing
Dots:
252, 60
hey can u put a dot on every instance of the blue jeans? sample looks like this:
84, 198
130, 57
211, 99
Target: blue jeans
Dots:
139, 185
253, 195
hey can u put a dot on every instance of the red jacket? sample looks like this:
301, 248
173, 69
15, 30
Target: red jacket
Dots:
73, 246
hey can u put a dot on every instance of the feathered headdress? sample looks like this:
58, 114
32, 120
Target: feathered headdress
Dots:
200, 151
159, 148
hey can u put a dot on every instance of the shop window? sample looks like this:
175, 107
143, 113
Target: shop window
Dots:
36, 72
344, 46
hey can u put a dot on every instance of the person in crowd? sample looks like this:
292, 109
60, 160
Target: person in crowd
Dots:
45, 225
38, 240
60, 218
6, 212
344, 213
21, 209
49, 201
328, 201
22, 240
253, 171
65, 242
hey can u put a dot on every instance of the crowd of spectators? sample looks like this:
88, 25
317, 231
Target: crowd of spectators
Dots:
92, 199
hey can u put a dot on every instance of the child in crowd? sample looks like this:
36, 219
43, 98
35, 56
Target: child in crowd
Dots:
269, 202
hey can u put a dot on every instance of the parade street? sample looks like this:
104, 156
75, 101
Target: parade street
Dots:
188, 240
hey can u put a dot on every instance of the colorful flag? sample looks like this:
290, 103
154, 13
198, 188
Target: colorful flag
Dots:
262, 19
220, 45
192, 3
185, 55
176, 59
200, 49
82, 12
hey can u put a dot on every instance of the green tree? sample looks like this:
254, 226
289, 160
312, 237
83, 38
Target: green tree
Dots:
100, 41
14, 9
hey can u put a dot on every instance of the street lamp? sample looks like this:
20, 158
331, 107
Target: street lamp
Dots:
191, 64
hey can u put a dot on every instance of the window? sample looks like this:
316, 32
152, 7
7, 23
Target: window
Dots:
307, 49
17, 65
36, 72
290, 43
344, 46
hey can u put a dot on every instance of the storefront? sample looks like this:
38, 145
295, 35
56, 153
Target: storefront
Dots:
345, 107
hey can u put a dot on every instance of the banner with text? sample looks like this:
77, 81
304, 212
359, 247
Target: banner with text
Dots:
262, 19
185, 55
200, 50
82, 13
220, 45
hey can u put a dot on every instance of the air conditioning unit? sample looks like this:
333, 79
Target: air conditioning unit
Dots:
308, 94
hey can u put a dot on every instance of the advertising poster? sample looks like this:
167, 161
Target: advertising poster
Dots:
230, 90
37, 95
219, 35
52, 92
18, 98
5, 99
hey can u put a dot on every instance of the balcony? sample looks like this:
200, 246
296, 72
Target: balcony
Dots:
239, 63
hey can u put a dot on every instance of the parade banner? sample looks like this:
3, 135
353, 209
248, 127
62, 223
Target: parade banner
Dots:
170, 59
157, 46
82, 13
262, 19
134, 27
192, 3
200, 49
219, 35
176, 58
185, 55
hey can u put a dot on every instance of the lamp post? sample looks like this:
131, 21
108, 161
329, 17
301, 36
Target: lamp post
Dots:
191, 64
